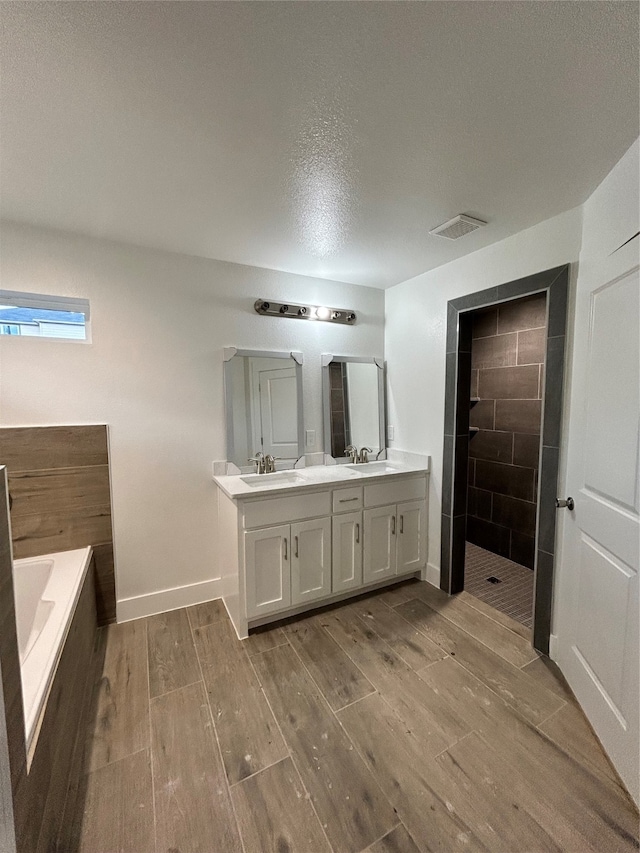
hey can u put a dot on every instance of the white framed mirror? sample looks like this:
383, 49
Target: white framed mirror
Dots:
263, 401
353, 405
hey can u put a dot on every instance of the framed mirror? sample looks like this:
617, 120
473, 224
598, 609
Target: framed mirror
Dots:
263, 400
353, 405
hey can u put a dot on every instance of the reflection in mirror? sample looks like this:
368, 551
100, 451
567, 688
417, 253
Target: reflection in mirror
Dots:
353, 406
263, 394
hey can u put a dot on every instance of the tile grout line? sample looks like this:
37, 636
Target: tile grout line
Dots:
255, 654
215, 734
546, 719
118, 760
337, 718
455, 743
255, 773
384, 835
308, 796
355, 701
382, 639
173, 690
470, 671
474, 639
151, 750
295, 651
513, 708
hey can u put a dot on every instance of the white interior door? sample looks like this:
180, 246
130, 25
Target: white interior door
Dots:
278, 412
597, 613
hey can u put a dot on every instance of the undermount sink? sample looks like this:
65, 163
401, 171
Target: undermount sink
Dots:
372, 468
279, 478
326, 472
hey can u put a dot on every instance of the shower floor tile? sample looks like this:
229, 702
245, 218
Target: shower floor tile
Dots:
513, 596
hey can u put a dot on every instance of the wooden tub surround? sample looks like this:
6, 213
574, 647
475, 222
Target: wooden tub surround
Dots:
38, 788
60, 497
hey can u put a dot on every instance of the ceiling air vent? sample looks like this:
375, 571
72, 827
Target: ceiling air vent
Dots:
457, 227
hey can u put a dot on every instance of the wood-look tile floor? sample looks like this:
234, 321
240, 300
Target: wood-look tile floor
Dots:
402, 722
513, 596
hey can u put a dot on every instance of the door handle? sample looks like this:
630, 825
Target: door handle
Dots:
402, 524
296, 541
393, 525
357, 534
569, 504
285, 547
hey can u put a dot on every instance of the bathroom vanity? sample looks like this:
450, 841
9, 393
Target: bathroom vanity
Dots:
299, 539
305, 535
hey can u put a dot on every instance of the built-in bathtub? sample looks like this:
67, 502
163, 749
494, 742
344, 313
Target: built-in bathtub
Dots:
46, 593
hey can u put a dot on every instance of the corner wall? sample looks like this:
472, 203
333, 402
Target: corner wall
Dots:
415, 337
153, 373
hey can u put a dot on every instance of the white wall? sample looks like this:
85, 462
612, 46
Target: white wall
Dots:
153, 372
415, 337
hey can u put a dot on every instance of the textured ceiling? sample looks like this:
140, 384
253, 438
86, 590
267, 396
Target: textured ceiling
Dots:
319, 138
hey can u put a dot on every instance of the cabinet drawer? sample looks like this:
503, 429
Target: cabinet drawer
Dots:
282, 510
347, 500
379, 494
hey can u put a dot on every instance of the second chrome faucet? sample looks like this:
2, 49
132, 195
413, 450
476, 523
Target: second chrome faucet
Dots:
357, 458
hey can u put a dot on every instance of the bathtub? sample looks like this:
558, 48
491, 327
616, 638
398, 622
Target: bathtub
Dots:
46, 592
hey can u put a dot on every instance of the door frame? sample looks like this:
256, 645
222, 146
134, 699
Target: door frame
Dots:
554, 283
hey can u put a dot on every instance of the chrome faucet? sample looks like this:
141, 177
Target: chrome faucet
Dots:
269, 464
260, 461
352, 453
364, 454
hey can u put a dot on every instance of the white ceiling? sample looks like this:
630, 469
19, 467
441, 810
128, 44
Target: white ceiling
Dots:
321, 138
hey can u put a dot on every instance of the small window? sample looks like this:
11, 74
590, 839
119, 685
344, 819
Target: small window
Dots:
35, 315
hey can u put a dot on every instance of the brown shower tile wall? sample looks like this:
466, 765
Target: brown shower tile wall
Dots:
507, 372
340, 436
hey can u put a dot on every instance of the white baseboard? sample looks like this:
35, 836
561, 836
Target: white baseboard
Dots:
167, 599
433, 575
553, 646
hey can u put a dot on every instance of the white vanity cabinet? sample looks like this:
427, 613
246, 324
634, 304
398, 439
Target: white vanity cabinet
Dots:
348, 537
347, 551
287, 565
267, 570
395, 538
380, 553
297, 548
310, 560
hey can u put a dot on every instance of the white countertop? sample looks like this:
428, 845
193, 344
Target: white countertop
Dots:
243, 486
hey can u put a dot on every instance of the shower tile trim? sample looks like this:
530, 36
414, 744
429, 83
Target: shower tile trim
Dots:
554, 283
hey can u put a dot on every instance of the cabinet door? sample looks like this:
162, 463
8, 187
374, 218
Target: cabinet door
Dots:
310, 560
379, 543
347, 551
412, 536
267, 570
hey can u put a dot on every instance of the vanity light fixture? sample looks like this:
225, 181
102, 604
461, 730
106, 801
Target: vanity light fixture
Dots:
305, 312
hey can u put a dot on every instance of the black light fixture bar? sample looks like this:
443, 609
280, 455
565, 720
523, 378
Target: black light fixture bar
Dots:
305, 312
